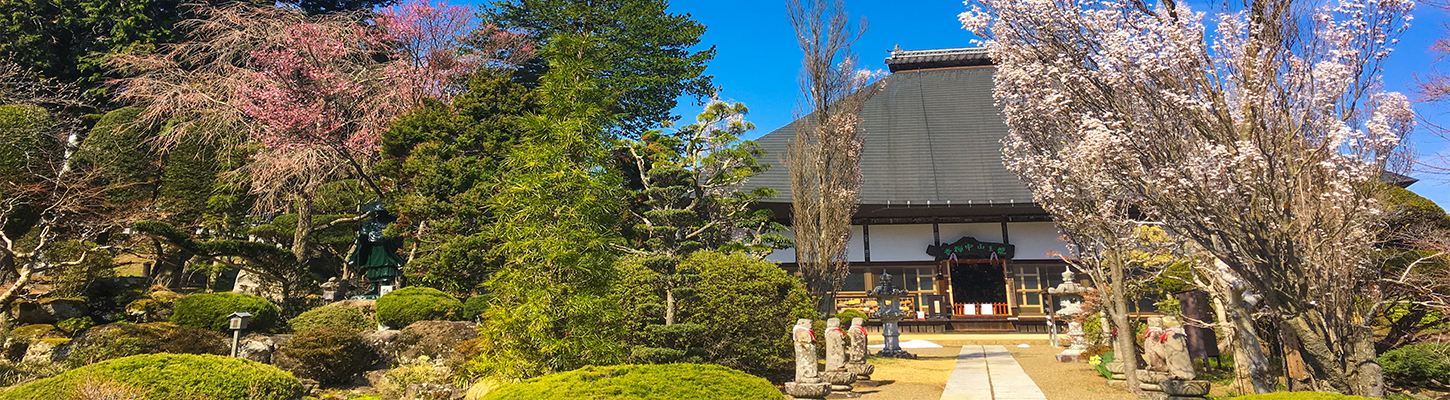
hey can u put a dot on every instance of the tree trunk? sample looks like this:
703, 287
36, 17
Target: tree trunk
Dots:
26, 272
1250, 363
303, 232
1355, 372
1124, 346
669, 307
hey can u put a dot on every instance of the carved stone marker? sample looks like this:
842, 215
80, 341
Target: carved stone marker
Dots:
1173, 375
807, 384
1151, 352
836, 372
856, 353
1173, 345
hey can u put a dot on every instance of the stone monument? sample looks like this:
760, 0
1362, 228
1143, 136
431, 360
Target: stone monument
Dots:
1071, 308
335, 289
856, 354
807, 384
888, 310
376, 254
836, 373
1151, 353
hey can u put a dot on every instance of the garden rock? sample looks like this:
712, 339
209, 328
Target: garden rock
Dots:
259, 348
64, 309
429, 391
435, 339
47, 351
369, 307
26, 312
383, 343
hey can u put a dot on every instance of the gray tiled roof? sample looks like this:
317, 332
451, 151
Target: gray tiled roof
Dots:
932, 135
901, 60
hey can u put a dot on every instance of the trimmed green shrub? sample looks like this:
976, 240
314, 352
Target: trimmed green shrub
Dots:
748, 304
403, 307
74, 325
1417, 364
474, 307
1300, 396
332, 316
327, 355
847, 315
173, 376
639, 382
210, 311
118, 340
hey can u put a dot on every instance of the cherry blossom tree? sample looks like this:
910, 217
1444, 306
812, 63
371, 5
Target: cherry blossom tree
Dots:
1253, 132
312, 92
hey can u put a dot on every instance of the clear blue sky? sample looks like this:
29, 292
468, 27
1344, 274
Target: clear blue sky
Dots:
758, 63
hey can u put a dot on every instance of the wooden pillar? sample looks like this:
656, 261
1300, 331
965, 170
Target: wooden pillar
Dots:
1011, 279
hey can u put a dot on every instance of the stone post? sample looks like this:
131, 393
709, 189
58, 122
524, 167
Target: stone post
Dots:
807, 384
836, 372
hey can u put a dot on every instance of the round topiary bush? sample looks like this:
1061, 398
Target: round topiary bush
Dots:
210, 311
327, 355
171, 376
846, 315
659, 381
332, 316
403, 307
1417, 364
1300, 396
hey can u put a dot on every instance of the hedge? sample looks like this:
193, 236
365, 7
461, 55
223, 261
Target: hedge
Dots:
642, 382
172, 377
332, 316
210, 311
403, 307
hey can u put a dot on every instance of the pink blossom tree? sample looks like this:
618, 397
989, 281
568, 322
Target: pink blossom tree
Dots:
1253, 132
312, 92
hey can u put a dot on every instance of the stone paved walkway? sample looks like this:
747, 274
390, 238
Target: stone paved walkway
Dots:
989, 373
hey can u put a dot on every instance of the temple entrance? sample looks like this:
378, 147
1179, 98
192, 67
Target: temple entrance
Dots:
978, 282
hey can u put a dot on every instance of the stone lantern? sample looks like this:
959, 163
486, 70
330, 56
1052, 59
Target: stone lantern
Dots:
1071, 308
239, 322
888, 299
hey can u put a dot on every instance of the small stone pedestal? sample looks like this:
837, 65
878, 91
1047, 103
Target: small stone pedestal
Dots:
808, 390
840, 383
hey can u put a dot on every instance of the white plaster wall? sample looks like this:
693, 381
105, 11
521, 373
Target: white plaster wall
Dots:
901, 242
985, 231
1034, 240
856, 252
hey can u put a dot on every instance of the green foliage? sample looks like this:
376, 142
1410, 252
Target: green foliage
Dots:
28, 151
1300, 396
748, 305
847, 315
1417, 364
70, 40
327, 355
557, 229
474, 307
444, 160
123, 339
74, 325
210, 311
73, 280
122, 149
173, 376
276, 266
332, 316
403, 307
646, 59
1102, 367
420, 370
642, 382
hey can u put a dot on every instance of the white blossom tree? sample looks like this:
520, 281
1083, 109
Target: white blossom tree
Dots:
1255, 135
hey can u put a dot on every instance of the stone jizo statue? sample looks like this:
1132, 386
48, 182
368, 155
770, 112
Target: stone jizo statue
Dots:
807, 382
836, 373
1152, 346
1173, 345
856, 353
